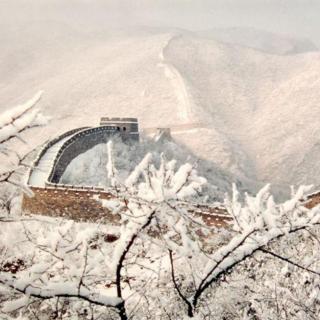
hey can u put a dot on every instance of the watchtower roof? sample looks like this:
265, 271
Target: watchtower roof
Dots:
109, 120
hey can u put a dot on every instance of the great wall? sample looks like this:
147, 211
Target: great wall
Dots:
82, 203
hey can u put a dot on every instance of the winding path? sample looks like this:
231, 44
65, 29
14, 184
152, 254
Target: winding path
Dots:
185, 100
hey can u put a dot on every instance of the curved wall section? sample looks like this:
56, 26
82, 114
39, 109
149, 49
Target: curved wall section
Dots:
42, 164
54, 141
78, 144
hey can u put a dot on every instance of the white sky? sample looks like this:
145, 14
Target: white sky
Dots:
293, 17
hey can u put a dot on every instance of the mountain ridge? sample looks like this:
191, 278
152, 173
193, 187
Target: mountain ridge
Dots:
256, 112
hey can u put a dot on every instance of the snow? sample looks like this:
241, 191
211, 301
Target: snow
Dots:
135, 174
255, 231
15, 120
10, 306
257, 108
56, 289
184, 100
89, 168
113, 205
73, 259
112, 171
11, 115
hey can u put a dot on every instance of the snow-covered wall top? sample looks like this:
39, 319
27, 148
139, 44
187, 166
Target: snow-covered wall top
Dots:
43, 163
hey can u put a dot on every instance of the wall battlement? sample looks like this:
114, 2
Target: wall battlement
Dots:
128, 127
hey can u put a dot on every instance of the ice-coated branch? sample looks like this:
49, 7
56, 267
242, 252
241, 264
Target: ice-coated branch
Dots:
177, 288
62, 290
14, 121
111, 169
126, 249
285, 259
140, 168
164, 183
63, 264
259, 222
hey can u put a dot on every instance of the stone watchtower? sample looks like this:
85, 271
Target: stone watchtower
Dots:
127, 127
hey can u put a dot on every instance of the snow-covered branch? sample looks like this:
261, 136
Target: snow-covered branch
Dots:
14, 121
111, 169
258, 223
162, 261
60, 262
164, 183
59, 290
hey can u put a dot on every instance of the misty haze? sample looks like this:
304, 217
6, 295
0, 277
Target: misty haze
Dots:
159, 159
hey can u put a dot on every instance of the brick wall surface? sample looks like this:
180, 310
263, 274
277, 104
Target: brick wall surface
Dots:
212, 216
312, 201
79, 205
76, 145
82, 205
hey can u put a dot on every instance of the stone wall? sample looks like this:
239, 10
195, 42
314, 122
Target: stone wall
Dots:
312, 200
81, 204
81, 140
48, 145
128, 127
77, 204
76, 145
212, 216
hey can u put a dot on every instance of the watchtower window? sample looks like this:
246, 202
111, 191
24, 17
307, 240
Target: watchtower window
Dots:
118, 128
124, 128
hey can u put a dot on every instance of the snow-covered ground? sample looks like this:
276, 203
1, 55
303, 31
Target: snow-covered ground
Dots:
256, 109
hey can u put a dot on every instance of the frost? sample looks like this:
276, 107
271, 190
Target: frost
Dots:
14, 121
13, 305
112, 171
162, 255
140, 168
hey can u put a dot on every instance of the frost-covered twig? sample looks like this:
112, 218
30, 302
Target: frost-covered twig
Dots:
289, 261
176, 286
111, 169
61, 290
14, 121
259, 222
120, 263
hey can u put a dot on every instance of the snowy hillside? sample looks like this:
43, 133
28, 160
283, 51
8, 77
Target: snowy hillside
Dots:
253, 115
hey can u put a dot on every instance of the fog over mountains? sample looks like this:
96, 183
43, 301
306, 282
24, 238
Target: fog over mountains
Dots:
248, 99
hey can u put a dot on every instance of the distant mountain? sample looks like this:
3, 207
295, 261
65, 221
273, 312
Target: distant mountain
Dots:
253, 115
260, 40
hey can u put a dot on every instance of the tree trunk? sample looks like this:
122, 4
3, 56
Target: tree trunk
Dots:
122, 312
190, 311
